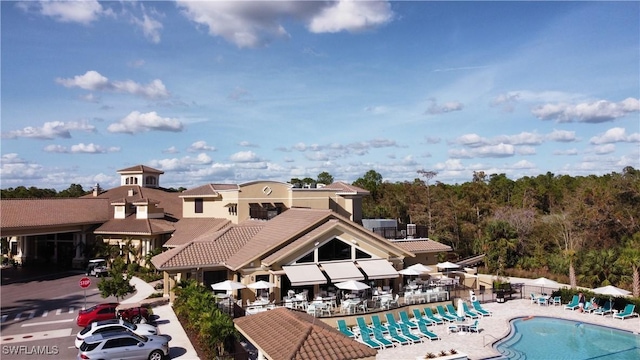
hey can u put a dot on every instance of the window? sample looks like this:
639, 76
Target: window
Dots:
150, 180
306, 259
199, 202
362, 255
334, 250
233, 209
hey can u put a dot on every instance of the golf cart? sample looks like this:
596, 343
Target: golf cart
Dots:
97, 268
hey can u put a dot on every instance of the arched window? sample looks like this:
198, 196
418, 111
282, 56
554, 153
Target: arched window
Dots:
150, 180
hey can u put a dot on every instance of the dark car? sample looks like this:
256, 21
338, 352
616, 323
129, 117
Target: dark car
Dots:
109, 311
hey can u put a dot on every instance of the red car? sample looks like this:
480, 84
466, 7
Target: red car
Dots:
109, 311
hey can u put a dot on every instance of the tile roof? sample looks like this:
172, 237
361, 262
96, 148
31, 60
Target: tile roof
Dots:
21, 213
277, 232
209, 250
188, 229
167, 200
131, 225
204, 190
141, 168
300, 242
422, 246
344, 187
299, 336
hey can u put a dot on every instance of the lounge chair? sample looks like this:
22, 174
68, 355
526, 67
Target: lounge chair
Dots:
418, 318
366, 339
588, 307
342, 326
376, 324
627, 312
474, 327
453, 312
424, 331
431, 316
404, 319
574, 304
406, 332
402, 340
362, 324
391, 322
468, 312
379, 337
445, 315
604, 310
533, 298
480, 310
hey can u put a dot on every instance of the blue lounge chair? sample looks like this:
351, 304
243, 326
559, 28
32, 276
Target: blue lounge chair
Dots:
391, 322
480, 310
376, 324
627, 312
604, 310
424, 331
342, 326
431, 316
573, 304
443, 314
379, 337
468, 312
418, 317
362, 324
406, 332
473, 327
366, 339
452, 311
393, 333
404, 319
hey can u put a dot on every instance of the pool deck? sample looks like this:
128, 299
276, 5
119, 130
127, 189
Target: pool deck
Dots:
478, 345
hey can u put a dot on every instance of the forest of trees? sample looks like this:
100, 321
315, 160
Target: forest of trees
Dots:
581, 230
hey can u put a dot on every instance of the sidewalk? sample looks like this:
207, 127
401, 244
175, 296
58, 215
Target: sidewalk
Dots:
179, 345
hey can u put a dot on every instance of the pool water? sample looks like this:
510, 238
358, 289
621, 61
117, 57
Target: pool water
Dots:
549, 338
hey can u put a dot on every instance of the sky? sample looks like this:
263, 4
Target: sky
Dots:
231, 92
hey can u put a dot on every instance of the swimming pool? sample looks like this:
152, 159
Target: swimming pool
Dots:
551, 338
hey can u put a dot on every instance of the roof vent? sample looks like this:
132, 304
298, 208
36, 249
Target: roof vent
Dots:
130, 192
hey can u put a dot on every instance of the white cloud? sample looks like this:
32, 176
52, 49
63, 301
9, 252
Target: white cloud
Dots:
247, 144
614, 135
150, 27
562, 136
472, 140
12, 167
524, 138
485, 151
200, 146
566, 152
137, 122
447, 107
83, 12
170, 150
244, 157
55, 149
525, 150
588, 112
248, 26
346, 15
89, 149
94, 81
51, 130
605, 149
523, 164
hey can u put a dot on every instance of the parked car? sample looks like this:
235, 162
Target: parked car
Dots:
109, 311
97, 268
124, 345
112, 325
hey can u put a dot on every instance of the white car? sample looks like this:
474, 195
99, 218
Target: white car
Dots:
114, 325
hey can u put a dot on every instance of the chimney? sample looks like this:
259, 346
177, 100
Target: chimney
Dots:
96, 190
130, 192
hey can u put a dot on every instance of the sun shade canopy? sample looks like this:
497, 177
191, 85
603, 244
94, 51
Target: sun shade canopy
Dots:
378, 269
302, 275
342, 271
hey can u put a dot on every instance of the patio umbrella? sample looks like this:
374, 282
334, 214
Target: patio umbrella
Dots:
261, 285
611, 290
352, 285
410, 272
421, 268
228, 285
447, 265
543, 282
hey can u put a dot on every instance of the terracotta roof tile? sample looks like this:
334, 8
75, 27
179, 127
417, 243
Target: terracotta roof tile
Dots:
422, 246
277, 232
204, 190
344, 187
208, 250
188, 229
300, 241
300, 336
141, 168
167, 200
20, 213
131, 225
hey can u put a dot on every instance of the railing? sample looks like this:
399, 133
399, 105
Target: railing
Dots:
484, 343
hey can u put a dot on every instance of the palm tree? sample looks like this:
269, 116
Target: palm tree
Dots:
630, 257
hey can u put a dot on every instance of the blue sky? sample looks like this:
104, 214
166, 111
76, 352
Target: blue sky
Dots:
219, 92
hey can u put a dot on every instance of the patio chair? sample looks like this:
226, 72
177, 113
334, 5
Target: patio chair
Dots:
556, 300
376, 324
480, 310
418, 317
366, 339
468, 312
406, 332
362, 324
445, 315
391, 322
431, 316
627, 312
453, 312
533, 298
588, 307
395, 336
474, 327
573, 304
604, 310
424, 331
379, 337
404, 319
395, 302
343, 328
